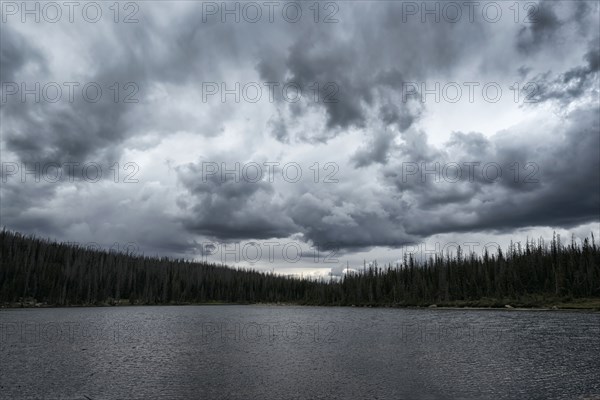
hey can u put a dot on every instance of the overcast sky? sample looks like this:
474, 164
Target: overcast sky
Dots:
361, 128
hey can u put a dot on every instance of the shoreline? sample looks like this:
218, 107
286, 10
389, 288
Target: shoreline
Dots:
585, 305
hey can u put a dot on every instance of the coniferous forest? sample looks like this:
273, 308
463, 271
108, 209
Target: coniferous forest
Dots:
38, 271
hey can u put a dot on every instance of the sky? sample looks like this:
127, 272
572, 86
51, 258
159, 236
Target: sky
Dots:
300, 137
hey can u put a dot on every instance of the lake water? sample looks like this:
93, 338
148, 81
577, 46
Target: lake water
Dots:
281, 352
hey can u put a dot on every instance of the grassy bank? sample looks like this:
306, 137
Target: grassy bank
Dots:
589, 304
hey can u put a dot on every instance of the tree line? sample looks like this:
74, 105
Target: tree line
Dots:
43, 271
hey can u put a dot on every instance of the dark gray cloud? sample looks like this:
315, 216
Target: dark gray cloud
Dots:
325, 54
339, 224
550, 178
376, 151
543, 25
82, 129
232, 210
572, 84
15, 51
560, 188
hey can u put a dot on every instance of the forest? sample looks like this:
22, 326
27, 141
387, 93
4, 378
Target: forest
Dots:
42, 272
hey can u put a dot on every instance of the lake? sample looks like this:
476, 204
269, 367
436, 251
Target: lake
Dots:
288, 352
